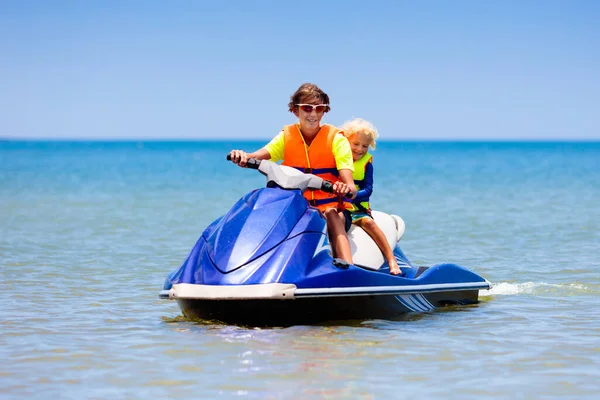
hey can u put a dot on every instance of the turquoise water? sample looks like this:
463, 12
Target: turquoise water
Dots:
89, 230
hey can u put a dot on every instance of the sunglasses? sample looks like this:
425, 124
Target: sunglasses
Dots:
308, 108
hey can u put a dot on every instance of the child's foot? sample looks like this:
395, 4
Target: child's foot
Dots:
394, 269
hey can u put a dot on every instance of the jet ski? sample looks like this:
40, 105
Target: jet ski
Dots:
268, 262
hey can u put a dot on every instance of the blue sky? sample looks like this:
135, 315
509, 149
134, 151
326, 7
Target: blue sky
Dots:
225, 69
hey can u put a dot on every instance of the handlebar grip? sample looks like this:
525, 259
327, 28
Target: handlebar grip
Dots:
327, 187
252, 163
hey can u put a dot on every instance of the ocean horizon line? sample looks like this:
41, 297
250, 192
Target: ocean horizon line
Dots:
266, 140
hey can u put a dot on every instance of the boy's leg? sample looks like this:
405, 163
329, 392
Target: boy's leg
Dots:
336, 228
370, 226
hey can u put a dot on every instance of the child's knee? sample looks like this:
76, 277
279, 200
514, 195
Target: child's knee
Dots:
330, 215
333, 219
368, 223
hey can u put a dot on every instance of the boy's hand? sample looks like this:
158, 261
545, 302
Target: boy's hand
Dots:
340, 188
239, 157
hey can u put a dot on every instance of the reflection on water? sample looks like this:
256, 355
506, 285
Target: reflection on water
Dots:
332, 323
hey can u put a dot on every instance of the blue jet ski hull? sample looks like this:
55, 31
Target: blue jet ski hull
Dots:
268, 262
316, 310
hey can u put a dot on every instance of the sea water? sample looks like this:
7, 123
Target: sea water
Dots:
89, 230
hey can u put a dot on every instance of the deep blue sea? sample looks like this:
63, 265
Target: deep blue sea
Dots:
89, 230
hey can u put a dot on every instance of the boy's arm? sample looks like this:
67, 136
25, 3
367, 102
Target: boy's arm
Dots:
343, 160
261, 154
366, 189
346, 177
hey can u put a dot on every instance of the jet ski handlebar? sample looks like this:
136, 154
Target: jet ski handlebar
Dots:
326, 186
252, 163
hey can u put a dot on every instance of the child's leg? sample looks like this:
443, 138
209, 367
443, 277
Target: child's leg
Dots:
336, 228
370, 226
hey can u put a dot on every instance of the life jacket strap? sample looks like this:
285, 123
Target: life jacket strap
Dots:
319, 202
318, 171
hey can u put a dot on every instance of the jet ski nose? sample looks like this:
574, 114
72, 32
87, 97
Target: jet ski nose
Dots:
256, 224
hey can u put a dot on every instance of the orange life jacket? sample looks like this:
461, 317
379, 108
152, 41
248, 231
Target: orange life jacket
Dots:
316, 159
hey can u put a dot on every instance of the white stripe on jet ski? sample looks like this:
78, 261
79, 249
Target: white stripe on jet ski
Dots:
402, 299
415, 302
416, 306
323, 245
407, 289
409, 303
423, 301
415, 299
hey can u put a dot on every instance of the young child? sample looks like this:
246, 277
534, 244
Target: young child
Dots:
362, 134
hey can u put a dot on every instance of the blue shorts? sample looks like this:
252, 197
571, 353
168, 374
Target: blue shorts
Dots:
360, 214
347, 219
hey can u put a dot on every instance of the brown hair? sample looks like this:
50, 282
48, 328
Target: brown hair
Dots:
307, 92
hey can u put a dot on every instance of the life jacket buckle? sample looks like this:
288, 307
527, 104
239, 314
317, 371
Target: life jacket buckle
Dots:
308, 170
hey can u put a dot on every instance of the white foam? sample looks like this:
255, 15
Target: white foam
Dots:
505, 288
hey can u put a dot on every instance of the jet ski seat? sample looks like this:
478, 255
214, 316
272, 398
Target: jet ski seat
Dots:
364, 249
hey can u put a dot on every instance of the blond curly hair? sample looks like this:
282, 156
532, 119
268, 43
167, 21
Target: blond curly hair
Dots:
359, 125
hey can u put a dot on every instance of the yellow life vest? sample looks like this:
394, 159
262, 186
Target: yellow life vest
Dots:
360, 166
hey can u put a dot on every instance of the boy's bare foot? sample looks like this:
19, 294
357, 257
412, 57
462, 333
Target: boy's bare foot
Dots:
394, 269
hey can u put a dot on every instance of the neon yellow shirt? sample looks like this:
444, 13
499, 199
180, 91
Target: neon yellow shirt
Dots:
340, 146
